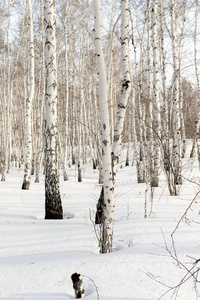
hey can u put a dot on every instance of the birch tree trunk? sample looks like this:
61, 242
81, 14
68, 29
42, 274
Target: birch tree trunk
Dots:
134, 89
108, 207
126, 85
182, 122
65, 176
7, 101
175, 113
29, 100
156, 100
53, 205
165, 136
40, 146
197, 119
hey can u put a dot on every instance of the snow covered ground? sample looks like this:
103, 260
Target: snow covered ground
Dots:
37, 256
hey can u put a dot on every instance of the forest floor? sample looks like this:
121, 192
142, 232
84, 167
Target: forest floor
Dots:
37, 256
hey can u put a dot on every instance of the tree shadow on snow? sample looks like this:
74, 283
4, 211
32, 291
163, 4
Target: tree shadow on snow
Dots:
92, 297
39, 296
60, 296
18, 217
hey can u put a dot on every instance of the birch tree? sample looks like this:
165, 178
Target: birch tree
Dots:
53, 204
108, 205
126, 84
6, 98
40, 108
197, 120
29, 100
65, 176
165, 121
175, 113
134, 88
156, 100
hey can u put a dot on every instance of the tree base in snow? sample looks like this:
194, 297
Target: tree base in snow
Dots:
154, 182
53, 216
65, 177
26, 185
3, 178
78, 285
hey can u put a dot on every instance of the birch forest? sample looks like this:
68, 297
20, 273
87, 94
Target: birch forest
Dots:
80, 80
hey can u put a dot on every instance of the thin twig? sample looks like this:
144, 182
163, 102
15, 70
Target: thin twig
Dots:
93, 284
185, 213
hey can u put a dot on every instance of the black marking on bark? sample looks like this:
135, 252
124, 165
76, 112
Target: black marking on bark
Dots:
116, 137
53, 204
105, 142
121, 106
100, 208
125, 84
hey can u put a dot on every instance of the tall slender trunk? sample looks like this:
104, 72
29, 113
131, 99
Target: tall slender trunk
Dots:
156, 100
7, 102
29, 100
165, 119
66, 103
126, 85
176, 108
53, 204
134, 88
108, 207
182, 122
196, 143
40, 146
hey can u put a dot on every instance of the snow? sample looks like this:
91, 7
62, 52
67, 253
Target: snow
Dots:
37, 256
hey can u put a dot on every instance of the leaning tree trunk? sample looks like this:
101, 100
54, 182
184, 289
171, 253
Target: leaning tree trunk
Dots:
53, 204
108, 207
29, 100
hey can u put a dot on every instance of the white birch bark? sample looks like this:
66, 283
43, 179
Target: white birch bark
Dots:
7, 103
65, 176
134, 88
175, 113
91, 133
53, 205
96, 130
141, 113
3, 146
108, 211
112, 29
126, 85
40, 144
150, 93
139, 166
182, 122
197, 119
80, 133
165, 133
156, 100
29, 100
